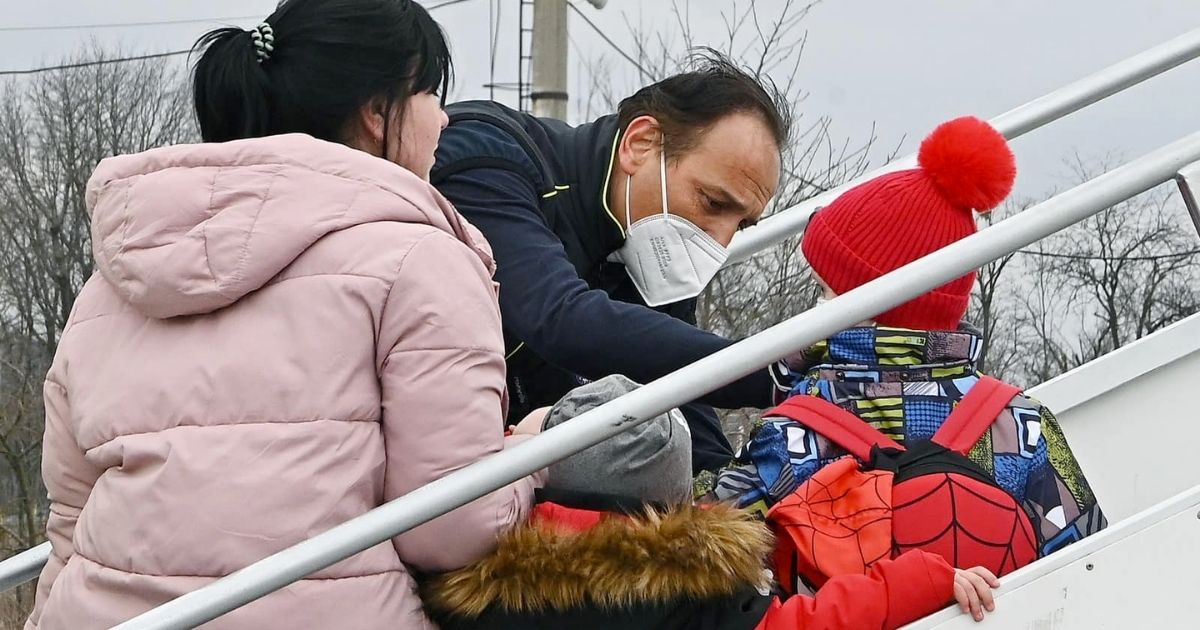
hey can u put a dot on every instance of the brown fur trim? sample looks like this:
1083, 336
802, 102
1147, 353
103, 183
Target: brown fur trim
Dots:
686, 553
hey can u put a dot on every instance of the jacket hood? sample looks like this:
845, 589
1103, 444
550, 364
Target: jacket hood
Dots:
190, 229
691, 552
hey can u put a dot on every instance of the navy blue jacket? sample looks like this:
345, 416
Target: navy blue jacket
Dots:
537, 190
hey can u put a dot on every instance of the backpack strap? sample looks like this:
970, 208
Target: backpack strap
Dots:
837, 425
974, 414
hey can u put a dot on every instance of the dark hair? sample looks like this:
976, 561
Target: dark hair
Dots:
330, 57
687, 104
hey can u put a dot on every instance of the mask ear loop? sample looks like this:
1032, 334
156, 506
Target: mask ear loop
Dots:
662, 178
628, 221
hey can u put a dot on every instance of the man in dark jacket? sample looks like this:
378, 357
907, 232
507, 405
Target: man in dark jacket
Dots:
687, 161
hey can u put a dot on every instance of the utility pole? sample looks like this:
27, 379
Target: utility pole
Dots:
549, 51
549, 94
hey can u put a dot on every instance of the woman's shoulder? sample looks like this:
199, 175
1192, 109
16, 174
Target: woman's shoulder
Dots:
387, 250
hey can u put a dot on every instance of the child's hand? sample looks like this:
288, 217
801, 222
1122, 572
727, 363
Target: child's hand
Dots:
532, 423
973, 590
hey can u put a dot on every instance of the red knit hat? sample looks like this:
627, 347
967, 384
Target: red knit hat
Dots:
894, 219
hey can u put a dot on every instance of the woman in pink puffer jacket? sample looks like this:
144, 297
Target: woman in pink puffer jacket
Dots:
284, 332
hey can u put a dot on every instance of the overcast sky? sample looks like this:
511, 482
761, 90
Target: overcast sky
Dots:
903, 65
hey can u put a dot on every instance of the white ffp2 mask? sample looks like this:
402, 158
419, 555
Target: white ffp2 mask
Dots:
668, 258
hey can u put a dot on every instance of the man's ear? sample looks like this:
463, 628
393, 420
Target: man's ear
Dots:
641, 142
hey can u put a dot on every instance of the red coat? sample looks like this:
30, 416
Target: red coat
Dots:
891, 594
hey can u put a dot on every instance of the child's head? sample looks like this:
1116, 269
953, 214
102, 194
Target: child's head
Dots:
371, 74
651, 462
894, 219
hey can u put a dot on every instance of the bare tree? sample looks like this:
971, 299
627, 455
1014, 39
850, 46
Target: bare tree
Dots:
1134, 265
54, 128
993, 309
1108, 280
1041, 310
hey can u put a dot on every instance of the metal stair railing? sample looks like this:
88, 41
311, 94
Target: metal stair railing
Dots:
23, 567
677, 388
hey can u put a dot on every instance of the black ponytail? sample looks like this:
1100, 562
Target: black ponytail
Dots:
330, 57
230, 87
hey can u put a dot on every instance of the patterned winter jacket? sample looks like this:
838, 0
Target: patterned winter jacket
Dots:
904, 383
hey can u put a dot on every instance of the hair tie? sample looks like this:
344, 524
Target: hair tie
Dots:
263, 38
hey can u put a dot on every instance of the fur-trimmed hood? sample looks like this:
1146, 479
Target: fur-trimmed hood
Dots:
688, 553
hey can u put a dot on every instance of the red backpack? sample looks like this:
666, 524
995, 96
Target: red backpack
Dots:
889, 499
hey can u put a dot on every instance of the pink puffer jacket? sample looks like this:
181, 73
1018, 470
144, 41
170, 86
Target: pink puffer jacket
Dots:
283, 334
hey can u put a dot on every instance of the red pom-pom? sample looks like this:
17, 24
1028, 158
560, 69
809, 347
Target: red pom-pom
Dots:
969, 162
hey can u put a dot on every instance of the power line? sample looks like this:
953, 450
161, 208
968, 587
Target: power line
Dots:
1108, 258
233, 18
68, 27
98, 62
444, 4
173, 53
610, 42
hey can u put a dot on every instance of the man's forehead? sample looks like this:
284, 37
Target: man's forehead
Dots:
750, 183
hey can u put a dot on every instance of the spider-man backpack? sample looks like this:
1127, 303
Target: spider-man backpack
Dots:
888, 499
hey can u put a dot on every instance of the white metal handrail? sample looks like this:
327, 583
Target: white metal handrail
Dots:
677, 388
1013, 123
23, 567
215, 599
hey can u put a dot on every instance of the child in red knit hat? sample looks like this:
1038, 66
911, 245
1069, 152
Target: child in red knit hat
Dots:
957, 463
